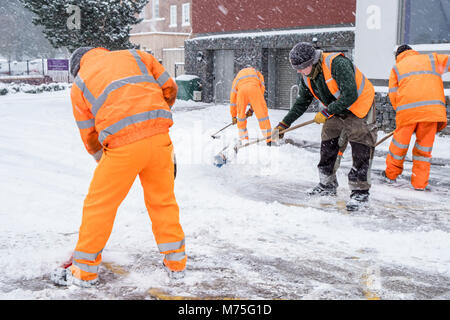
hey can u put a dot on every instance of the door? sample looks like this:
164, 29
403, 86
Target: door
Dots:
223, 75
286, 78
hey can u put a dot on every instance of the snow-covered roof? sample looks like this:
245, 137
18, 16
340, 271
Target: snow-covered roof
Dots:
274, 33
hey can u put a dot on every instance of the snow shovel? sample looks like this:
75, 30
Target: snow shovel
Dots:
384, 138
220, 159
214, 135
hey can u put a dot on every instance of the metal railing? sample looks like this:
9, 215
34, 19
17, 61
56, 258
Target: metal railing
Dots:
290, 95
215, 91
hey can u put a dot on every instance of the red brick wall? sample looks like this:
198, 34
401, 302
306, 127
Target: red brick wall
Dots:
240, 15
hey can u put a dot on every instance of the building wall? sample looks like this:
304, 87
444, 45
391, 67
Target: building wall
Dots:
214, 16
258, 50
377, 36
162, 23
172, 57
156, 42
154, 34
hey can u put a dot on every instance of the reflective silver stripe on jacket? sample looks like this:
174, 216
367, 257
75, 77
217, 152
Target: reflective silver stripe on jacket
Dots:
394, 89
170, 246
396, 72
163, 78
86, 93
420, 104
328, 59
361, 87
176, 256
97, 103
337, 94
399, 145
233, 105
419, 158
263, 119
414, 73
139, 61
433, 62
396, 156
140, 117
86, 124
98, 155
424, 149
117, 85
447, 66
243, 77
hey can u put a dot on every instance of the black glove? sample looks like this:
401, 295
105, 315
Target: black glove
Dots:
249, 113
234, 120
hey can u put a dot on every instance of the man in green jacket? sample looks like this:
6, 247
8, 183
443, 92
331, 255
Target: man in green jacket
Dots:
349, 111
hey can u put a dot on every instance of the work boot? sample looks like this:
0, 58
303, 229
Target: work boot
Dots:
386, 179
358, 200
323, 190
63, 277
175, 275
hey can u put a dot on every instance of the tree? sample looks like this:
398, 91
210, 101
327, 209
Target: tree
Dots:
95, 23
19, 38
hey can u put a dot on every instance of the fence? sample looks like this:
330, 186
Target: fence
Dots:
37, 68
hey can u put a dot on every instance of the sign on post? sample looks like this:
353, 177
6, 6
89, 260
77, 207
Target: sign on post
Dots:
57, 65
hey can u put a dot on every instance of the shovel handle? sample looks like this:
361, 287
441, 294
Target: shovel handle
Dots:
222, 129
287, 130
384, 138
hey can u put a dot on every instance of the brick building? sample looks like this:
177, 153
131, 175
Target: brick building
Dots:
166, 25
228, 35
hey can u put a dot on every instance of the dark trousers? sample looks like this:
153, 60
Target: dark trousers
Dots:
362, 136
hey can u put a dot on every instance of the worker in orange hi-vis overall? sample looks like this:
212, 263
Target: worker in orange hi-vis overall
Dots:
248, 88
416, 92
122, 106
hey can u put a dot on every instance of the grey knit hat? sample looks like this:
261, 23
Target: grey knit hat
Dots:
303, 55
75, 59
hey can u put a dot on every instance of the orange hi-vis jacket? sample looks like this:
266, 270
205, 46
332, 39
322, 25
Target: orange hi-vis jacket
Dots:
366, 92
246, 76
416, 89
120, 97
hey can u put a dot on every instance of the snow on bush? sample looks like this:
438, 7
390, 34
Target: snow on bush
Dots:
6, 88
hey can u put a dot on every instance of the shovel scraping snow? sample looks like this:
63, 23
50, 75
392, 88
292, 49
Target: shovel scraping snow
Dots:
220, 159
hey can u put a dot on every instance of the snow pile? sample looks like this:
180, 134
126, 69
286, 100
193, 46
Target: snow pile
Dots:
248, 232
11, 88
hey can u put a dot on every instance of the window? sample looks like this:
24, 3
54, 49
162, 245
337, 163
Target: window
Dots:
186, 18
155, 9
173, 16
425, 21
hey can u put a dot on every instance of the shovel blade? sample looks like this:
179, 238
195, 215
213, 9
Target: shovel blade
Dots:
220, 160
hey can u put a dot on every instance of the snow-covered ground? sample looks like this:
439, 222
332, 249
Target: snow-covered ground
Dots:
250, 231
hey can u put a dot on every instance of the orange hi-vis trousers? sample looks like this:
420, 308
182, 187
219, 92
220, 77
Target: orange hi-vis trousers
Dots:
425, 134
151, 159
251, 94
